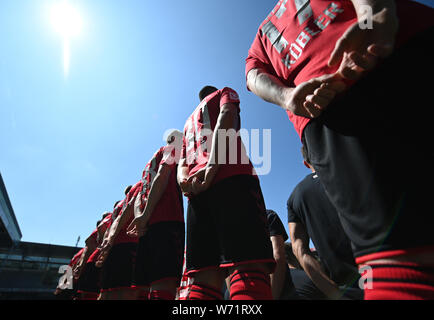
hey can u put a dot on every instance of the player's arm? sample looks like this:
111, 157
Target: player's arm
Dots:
106, 236
120, 221
308, 99
227, 119
78, 266
278, 277
182, 177
91, 245
112, 232
312, 267
358, 50
156, 191
104, 247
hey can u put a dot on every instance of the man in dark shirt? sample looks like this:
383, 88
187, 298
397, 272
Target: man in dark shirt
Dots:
311, 215
301, 286
286, 283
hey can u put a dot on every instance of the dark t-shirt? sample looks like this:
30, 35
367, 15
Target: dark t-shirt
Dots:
275, 225
309, 205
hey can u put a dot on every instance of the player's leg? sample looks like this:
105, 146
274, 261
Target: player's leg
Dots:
244, 237
118, 271
250, 282
207, 285
203, 251
164, 251
365, 149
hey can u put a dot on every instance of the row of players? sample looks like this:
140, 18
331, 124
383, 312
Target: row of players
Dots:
356, 120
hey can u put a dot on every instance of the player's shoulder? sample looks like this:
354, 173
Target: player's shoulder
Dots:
136, 186
304, 186
155, 155
271, 214
229, 95
229, 90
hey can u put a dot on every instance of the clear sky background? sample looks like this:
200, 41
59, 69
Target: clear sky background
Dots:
71, 141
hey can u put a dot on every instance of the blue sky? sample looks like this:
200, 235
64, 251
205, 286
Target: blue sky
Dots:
71, 143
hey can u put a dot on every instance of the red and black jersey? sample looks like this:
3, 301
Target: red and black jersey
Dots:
76, 258
94, 235
170, 206
118, 209
122, 236
94, 256
104, 225
198, 135
296, 39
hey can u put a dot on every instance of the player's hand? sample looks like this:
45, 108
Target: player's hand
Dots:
185, 186
77, 270
203, 178
199, 175
104, 252
138, 205
359, 50
137, 227
310, 98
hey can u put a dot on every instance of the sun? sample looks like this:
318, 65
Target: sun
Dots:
66, 19
67, 22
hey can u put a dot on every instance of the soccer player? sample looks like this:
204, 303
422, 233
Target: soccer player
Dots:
118, 252
312, 216
80, 269
159, 223
309, 55
227, 227
89, 288
66, 293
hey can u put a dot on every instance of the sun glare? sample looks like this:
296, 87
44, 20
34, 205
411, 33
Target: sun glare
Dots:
67, 22
66, 19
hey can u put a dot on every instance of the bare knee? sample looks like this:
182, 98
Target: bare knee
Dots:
211, 277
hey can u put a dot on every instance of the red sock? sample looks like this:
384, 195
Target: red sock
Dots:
160, 295
399, 282
199, 291
250, 285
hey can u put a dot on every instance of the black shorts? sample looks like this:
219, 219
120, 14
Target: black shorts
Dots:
160, 253
90, 279
371, 149
227, 226
117, 270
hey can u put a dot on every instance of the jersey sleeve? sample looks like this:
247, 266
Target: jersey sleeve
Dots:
118, 209
132, 193
229, 96
257, 57
170, 156
292, 213
275, 226
94, 234
184, 144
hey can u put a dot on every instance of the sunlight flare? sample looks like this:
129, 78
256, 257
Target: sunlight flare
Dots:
67, 22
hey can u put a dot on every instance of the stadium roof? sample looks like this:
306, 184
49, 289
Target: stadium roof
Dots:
9, 228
